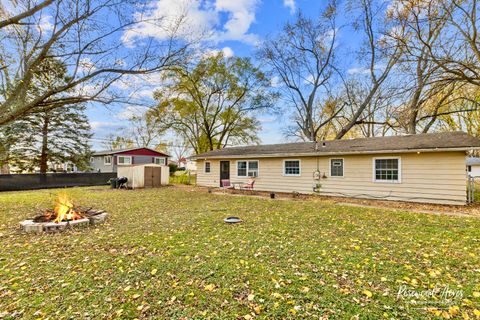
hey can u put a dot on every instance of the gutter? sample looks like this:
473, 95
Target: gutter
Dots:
313, 154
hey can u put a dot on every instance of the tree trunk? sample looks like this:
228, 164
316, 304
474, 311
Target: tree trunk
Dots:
44, 154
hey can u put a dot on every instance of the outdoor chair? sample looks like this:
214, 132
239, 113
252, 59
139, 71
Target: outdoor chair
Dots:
226, 185
248, 186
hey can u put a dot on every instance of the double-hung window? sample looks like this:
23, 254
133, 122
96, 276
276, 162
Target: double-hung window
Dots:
336, 167
247, 168
207, 167
124, 160
159, 160
291, 168
107, 160
387, 170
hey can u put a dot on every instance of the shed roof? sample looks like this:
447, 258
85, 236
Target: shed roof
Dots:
442, 141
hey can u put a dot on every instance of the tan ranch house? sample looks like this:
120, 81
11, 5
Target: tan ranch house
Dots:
418, 168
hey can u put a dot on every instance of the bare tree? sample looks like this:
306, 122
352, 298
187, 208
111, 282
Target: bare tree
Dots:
83, 35
113, 142
458, 54
179, 148
23, 14
425, 91
302, 56
146, 130
380, 56
376, 119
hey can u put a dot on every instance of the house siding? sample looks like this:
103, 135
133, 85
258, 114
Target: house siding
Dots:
98, 162
435, 177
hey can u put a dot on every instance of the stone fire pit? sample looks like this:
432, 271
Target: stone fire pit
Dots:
65, 215
92, 217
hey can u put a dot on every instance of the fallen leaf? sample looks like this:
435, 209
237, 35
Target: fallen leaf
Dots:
209, 287
368, 293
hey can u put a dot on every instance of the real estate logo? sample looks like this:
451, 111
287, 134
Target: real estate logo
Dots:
439, 295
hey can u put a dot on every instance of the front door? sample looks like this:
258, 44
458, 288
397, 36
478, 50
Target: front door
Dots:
224, 171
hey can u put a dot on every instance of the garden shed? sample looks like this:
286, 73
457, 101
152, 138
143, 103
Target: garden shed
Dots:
145, 175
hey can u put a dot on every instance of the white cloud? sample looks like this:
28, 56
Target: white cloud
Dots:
95, 125
289, 4
275, 82
359, 70
86, 65
131, 111
197, 19
44, 24
227, 52
363, 70
241, 16
165, 15
310, 79
139, 86
267, 119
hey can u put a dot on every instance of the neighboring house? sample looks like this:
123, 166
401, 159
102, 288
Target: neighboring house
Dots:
418, 168
53, 167
107, 161
63, 167
189, 165
473, 167
4, 169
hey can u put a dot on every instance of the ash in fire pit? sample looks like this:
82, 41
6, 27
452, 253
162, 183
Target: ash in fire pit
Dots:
64, 215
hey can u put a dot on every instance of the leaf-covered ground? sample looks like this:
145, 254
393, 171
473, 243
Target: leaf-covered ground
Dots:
166, 253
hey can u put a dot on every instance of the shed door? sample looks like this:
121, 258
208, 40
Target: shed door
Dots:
153, 177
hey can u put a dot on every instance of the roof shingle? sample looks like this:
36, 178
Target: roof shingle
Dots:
406, 143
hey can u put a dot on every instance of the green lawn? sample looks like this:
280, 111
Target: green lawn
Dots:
183, 177
166, 253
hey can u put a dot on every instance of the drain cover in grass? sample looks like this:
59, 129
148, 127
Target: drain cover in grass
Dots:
232, 220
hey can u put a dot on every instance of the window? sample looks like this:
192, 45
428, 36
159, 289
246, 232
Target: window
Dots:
107, 160
91, 159
387, 170
124, 160
159, 161
207, 167
336, 167
247, 168
469, 168
291, 167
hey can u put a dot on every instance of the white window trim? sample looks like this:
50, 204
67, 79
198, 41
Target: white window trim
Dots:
92, 160
105, 160
387, 181
124, 164
299, 167
205, 167
160, 158
247, 161
330, 168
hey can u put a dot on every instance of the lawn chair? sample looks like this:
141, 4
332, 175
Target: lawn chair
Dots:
248, 186
226, 185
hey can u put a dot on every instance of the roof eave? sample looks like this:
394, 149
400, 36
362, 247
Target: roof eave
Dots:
320, 154
112, 152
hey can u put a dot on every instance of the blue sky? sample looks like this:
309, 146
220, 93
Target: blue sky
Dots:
236, 27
